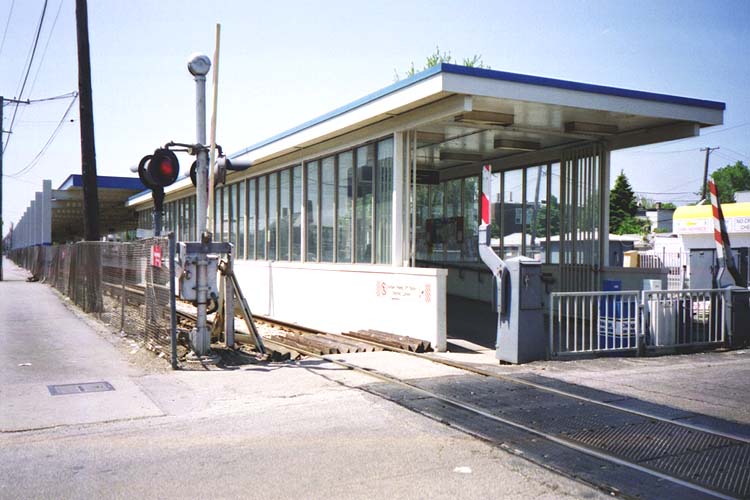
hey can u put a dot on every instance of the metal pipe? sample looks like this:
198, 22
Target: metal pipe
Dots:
199, 65
228, 303
172, 302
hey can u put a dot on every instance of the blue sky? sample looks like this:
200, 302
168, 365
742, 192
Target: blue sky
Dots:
283, 63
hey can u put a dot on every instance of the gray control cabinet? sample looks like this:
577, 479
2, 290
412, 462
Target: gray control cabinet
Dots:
188, 254
520, 330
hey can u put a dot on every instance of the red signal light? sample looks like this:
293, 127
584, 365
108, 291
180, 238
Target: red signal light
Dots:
159, 170
166, 167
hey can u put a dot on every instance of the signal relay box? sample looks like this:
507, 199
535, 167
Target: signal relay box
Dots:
188, 254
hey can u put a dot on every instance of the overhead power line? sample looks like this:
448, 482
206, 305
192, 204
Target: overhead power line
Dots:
46, 46
39, 155
665, 192
28, 70
67, 95
7, 23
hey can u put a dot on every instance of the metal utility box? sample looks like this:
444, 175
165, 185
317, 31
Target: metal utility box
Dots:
189, 253
740, 317
702, 263
520, 333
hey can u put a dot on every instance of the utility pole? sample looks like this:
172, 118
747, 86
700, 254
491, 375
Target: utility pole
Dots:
88, 152
705, 170
3, 100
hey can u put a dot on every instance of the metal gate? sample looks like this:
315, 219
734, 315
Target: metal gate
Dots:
581, 217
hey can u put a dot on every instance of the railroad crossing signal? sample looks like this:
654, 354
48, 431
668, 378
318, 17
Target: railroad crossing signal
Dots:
159, 170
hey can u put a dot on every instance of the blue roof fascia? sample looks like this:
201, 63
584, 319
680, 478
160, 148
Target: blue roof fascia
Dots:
581, 87
104, 182
490, 74
69, 182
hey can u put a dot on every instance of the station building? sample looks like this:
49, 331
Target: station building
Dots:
367, 216
55, 216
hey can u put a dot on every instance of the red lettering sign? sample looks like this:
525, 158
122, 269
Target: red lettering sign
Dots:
156, 256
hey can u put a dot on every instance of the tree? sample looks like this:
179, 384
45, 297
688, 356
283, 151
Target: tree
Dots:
730, 179
439, 57
622, 205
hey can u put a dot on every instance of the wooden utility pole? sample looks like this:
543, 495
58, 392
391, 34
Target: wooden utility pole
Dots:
705, 171
88, 152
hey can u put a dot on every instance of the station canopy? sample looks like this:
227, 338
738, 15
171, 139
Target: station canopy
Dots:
114, 216
463, 115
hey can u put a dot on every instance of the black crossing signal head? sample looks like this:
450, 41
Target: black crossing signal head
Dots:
159, 169
163, 168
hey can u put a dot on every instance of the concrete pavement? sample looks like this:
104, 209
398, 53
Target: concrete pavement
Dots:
274, 430
292, 430
43, 343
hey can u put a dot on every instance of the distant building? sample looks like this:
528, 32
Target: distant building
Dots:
660, 218
694, 225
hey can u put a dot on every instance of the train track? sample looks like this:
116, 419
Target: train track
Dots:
627, 451
694, 460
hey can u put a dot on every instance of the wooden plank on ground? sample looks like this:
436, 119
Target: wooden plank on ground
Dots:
355, 344
324, 345
392, 340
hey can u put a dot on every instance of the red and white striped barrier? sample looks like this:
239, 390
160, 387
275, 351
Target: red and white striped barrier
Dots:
718, 217
486, 193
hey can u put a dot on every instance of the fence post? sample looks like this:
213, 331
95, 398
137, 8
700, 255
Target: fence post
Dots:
727, 310
123, 262
172, 301
551, 346
641, 335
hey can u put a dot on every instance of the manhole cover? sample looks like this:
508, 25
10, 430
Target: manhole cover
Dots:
62, 389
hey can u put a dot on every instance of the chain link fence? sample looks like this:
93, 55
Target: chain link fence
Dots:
124, 285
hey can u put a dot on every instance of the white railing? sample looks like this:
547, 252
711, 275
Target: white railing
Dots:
591, 322
657, 259
684, 317
600, 322
674, 262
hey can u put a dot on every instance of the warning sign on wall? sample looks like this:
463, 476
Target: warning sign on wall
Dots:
395, 291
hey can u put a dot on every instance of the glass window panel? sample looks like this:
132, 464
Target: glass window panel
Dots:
225, 213
241, 212
470, 250
363, 203
512, 216
185, 220
193, 220
311, 204
327, 193
424, 239
296, 204
178, 216
434, 224
260, 235
552, 216
217, 214
536, 195
273, 215
284, 215
232, 229
383, 204
251, 219
344, 219
452, 224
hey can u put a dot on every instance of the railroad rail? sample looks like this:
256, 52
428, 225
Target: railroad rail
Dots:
694, 460
634, 452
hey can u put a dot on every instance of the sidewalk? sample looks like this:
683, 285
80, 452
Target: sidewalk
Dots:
44, 343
